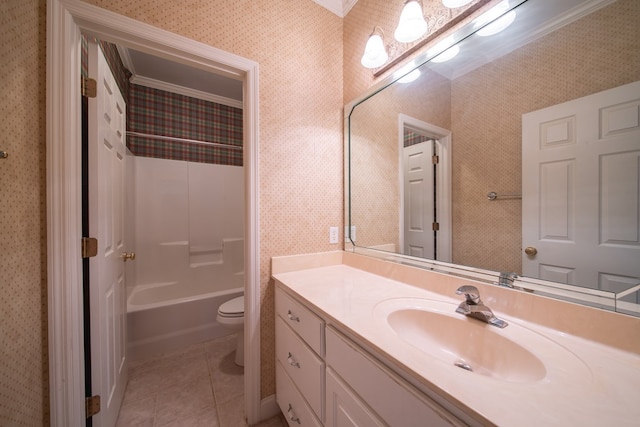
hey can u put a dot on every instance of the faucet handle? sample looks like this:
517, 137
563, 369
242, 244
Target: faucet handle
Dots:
471, 293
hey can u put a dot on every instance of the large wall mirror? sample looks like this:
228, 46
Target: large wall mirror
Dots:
514, 151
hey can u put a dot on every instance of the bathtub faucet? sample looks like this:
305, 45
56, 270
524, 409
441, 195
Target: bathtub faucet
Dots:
472, 306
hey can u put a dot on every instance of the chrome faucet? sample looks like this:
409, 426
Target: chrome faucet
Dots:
472, 306
507, 279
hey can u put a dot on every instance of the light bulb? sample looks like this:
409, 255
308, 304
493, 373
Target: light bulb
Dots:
410, 77
374, 52
412, 25
498, 25
447, 54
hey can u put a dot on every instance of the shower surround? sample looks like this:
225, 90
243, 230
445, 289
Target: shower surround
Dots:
185, 224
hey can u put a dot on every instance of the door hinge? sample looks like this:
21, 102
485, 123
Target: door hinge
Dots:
89, 247
435, 159
435, 226
89, 87
92, 405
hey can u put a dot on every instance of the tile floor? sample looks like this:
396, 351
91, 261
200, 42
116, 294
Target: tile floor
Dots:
196, 386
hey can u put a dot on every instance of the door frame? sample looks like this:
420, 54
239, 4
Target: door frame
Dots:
66, 21
443, 184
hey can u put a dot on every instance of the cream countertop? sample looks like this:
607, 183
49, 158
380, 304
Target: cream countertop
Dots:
594, 384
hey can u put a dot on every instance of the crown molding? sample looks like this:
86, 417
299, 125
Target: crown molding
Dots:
339, 7
182, 90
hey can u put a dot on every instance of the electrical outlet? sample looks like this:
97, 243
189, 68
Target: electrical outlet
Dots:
333, 235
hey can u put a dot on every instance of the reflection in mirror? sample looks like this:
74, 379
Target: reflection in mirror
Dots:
545, 114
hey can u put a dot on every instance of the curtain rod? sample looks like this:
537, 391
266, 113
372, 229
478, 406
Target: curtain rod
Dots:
172, 138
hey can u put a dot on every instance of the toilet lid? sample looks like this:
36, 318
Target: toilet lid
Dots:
234, 307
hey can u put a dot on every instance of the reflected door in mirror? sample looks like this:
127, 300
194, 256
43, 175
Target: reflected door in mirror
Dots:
590, 143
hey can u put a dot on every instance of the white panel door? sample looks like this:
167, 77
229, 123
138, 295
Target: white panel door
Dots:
418, 200
106, 222
581, 182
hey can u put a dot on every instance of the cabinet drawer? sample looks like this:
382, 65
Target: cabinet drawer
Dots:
306, 324
302, 365
394, 400
291, 402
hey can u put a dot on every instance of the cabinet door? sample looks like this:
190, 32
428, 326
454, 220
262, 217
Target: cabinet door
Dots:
344, 408
395, 401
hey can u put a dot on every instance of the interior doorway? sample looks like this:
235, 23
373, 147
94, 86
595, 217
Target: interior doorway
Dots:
66, 21
424, 166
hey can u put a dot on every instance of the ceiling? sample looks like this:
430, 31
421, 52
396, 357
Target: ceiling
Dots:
339, 7
163, 74
159, 73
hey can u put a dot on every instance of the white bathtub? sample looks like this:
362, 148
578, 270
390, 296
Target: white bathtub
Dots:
164, 317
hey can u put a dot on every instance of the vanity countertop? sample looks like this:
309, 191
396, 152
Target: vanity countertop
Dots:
602, 387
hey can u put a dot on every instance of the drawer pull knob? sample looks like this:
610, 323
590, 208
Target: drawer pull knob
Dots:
292, 317
292, 415
292, 361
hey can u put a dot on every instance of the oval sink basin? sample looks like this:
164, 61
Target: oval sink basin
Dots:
468, 344
514, 354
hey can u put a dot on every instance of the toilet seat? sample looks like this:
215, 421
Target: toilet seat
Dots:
232, 308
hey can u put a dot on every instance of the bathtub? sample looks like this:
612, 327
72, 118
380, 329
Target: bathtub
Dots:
164, 317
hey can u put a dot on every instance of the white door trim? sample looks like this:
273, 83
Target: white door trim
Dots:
66, 21
443, 180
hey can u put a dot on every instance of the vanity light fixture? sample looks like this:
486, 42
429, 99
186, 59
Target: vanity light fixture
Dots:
407, 73
498, 25
412, 25
375, 54
412, 76
495, 19
452, 4
447, 54
447, 48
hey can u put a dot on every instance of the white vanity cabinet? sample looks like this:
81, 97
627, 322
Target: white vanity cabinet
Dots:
300, 368
344, 407
325, 378
394, 400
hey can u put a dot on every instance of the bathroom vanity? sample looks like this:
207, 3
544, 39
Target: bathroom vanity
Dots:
365, 342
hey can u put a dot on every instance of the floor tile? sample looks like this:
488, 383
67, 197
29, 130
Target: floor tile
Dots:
139, 413
193, 387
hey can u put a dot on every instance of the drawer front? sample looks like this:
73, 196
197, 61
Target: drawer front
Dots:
306, 324
292, 405
302, 365
394, 400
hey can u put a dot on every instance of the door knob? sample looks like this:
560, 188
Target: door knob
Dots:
130, 255
530, 250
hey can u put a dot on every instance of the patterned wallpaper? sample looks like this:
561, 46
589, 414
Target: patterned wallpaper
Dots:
24, 395
412, 138
156, 112
160, 113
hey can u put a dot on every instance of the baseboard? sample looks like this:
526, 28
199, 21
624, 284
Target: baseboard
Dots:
269, 407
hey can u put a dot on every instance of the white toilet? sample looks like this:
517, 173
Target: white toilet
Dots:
231, 315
